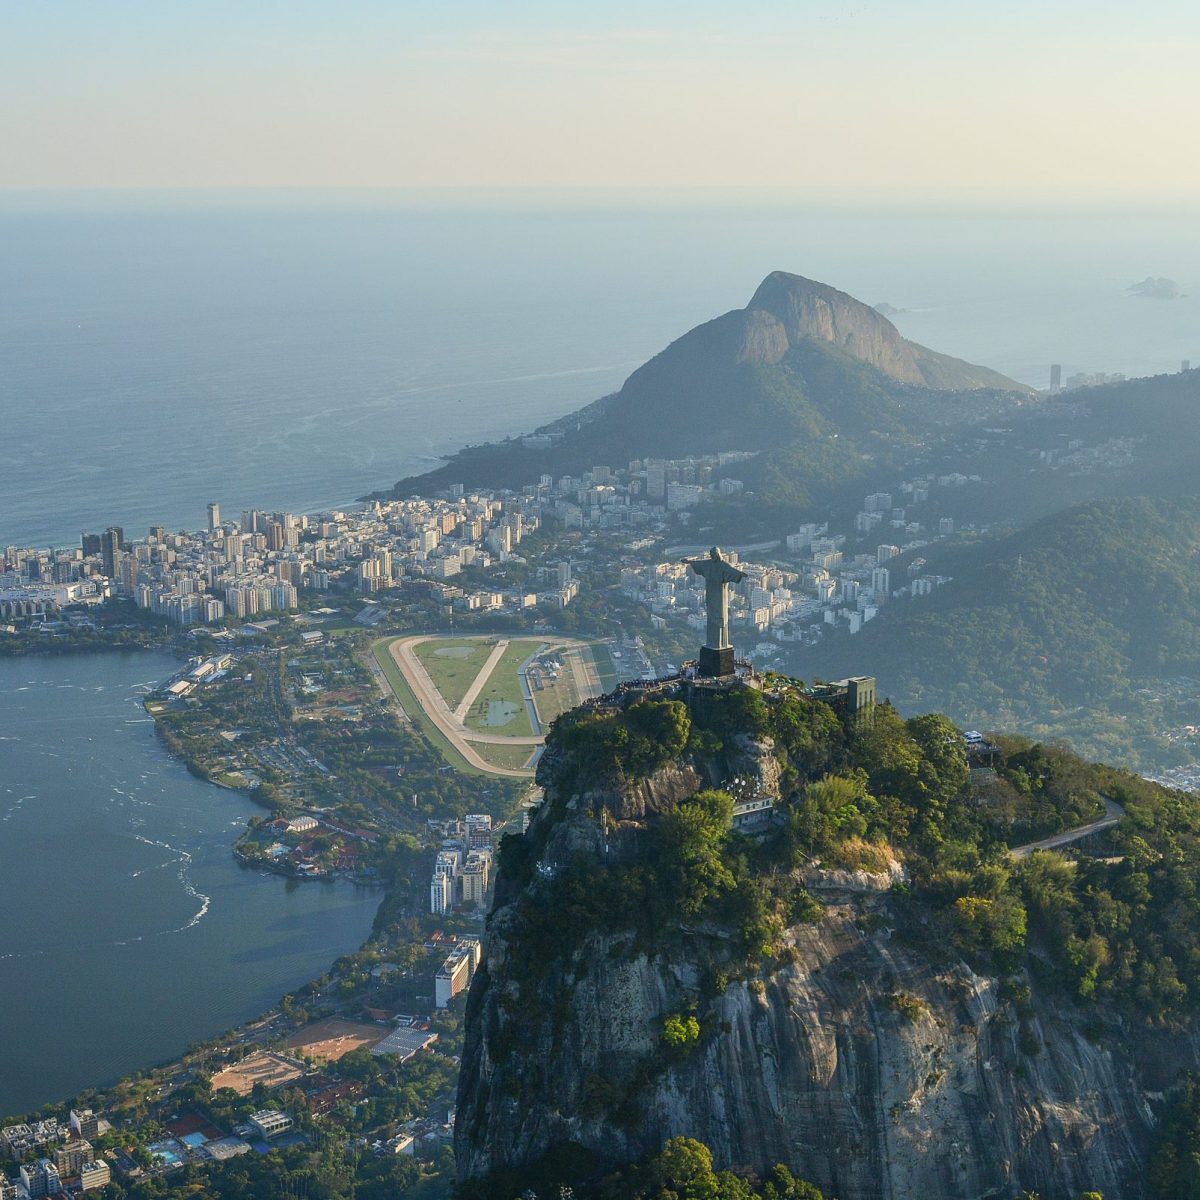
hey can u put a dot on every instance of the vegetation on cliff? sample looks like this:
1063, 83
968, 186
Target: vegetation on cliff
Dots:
635, 870
1122, 929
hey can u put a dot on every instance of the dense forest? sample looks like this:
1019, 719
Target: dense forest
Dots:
1053, 630
1121, 932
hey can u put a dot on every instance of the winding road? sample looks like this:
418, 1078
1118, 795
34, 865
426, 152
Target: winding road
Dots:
1113, 812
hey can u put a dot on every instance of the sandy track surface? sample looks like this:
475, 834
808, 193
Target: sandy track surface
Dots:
485, 673
450, 722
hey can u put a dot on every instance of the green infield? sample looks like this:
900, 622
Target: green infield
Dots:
387, 664
514, 758
500, 705
453, 664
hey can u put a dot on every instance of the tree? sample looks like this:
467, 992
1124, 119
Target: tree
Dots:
693, 836
681, 1031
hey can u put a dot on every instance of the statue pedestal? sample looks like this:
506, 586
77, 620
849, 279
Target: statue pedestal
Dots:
714, 664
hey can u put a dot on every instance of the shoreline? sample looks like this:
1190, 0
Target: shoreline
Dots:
171, 753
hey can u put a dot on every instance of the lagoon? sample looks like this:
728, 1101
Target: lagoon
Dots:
129, 930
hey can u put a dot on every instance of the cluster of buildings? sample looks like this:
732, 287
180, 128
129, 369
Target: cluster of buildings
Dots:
188, 577
462, 869
261, 562
207, 671
831, 585
65, 1159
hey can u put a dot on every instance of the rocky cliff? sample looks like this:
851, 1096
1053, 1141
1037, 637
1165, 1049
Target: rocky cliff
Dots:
864, 1052
798, 310
813, 1066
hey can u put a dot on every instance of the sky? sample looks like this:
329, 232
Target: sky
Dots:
866, 97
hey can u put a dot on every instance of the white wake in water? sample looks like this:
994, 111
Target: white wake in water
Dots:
184, 860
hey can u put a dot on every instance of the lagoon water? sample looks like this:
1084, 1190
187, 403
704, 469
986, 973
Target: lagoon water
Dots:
129, 930
294, 353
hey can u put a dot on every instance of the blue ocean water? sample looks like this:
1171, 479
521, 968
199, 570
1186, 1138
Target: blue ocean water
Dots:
158, 354
129, 928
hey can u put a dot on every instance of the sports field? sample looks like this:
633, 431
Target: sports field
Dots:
485, 702
264, 1067
416, 712
333, 1038
606, 667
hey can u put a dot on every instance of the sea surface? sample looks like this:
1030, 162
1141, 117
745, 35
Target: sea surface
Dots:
128, 929
293, 353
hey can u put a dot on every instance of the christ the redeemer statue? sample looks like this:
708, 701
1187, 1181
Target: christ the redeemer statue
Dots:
716, 655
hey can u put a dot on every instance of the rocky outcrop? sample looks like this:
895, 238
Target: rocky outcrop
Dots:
862, 1065
813, 311
803, 310
865, 1055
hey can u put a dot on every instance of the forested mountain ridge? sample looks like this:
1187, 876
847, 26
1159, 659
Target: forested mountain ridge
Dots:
803, 365
1053, 629
872, 976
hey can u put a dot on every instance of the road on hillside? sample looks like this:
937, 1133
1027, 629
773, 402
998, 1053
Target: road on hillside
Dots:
1113, 812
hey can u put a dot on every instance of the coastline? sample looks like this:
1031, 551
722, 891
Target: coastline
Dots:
152, 833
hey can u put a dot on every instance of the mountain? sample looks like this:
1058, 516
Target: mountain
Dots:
1057, 628
869, 991
789, 309
802, 365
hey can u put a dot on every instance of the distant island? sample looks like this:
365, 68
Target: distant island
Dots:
1152, 288
884, 309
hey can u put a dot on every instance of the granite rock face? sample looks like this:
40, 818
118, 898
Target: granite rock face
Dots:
795, 309
816, 1069
867, 1067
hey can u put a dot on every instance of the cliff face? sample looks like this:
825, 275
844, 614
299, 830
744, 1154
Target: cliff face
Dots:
812, 311
804, 310
818, 1070
869, 1067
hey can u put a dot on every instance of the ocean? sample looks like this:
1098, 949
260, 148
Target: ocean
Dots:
130, 931
159, 353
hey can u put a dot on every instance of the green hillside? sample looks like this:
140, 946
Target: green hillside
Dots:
1054, 629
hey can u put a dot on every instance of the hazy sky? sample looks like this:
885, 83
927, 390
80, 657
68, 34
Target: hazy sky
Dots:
881, 95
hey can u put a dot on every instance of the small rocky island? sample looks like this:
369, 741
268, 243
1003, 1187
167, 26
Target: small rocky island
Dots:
1159, 288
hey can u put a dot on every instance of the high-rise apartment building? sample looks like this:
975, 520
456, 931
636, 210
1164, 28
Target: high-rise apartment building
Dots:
70, 1156
111, 541
214, 515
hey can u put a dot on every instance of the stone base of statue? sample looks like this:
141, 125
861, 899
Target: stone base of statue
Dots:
715, 664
